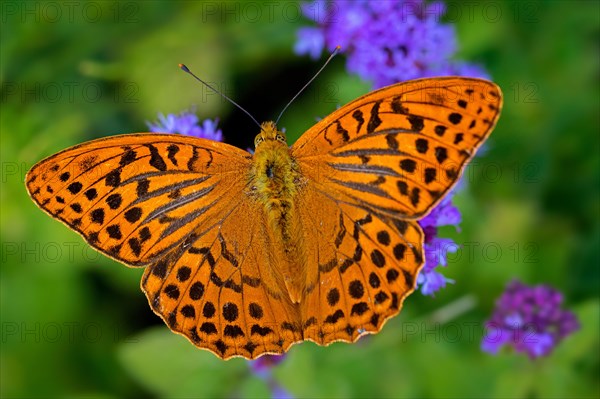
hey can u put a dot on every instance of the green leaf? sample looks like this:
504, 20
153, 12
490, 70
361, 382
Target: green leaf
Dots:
170, 366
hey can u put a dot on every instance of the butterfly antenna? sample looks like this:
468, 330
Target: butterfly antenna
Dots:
187, 70
335, 51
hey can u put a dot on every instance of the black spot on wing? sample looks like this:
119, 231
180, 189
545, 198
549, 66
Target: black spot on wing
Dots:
262, 331
408, 165
430, 174
359, 308
416, 123
193, 159
440, 130
374, 120
455, 118
391, 141
156, 160
91, 194
113, 179
135, 246
128, 157
333, 318
422, 145
397, 106
414, 196
256, 311
441, 154
341, 131
209, 310
233, 331
97, 216
114, 231
75, 187
358, 116
356, 289
333, 296
142, 187
133, 215
172, 150
114, 201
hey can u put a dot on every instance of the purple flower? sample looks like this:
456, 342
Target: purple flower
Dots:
310, 42
187, 123
436, 249
262, 368
471, 70
279, 393
386, 41
530, 319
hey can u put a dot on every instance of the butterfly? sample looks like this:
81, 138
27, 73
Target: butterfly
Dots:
247, 254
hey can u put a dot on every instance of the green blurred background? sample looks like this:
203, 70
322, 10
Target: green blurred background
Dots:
75, 323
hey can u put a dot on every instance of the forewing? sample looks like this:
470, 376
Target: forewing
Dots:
135, 197
399, 149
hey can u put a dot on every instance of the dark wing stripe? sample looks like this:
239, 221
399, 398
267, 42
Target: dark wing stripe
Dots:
182, 221
367, 152
381, 132
368, 206
168, 189
362, 187
177, 203
365, 168
149, 175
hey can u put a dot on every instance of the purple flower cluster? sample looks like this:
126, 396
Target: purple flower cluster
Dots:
436, 248
530, 319
385, 41
187, 123
263, 369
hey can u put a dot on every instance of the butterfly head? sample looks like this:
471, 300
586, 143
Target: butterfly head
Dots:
269, 133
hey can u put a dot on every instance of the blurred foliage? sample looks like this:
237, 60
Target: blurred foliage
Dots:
74, 323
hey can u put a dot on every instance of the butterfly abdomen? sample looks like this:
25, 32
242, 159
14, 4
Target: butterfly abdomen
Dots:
274, 179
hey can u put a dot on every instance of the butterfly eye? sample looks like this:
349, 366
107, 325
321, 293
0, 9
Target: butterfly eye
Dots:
280, 137
257, 140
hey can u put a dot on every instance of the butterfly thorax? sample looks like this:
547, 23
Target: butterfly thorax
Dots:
274, 179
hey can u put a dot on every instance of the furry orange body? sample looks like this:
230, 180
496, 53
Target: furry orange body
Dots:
275, 181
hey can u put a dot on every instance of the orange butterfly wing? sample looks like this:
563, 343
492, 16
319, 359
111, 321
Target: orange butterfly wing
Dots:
177, 204
135, 197
373, 168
